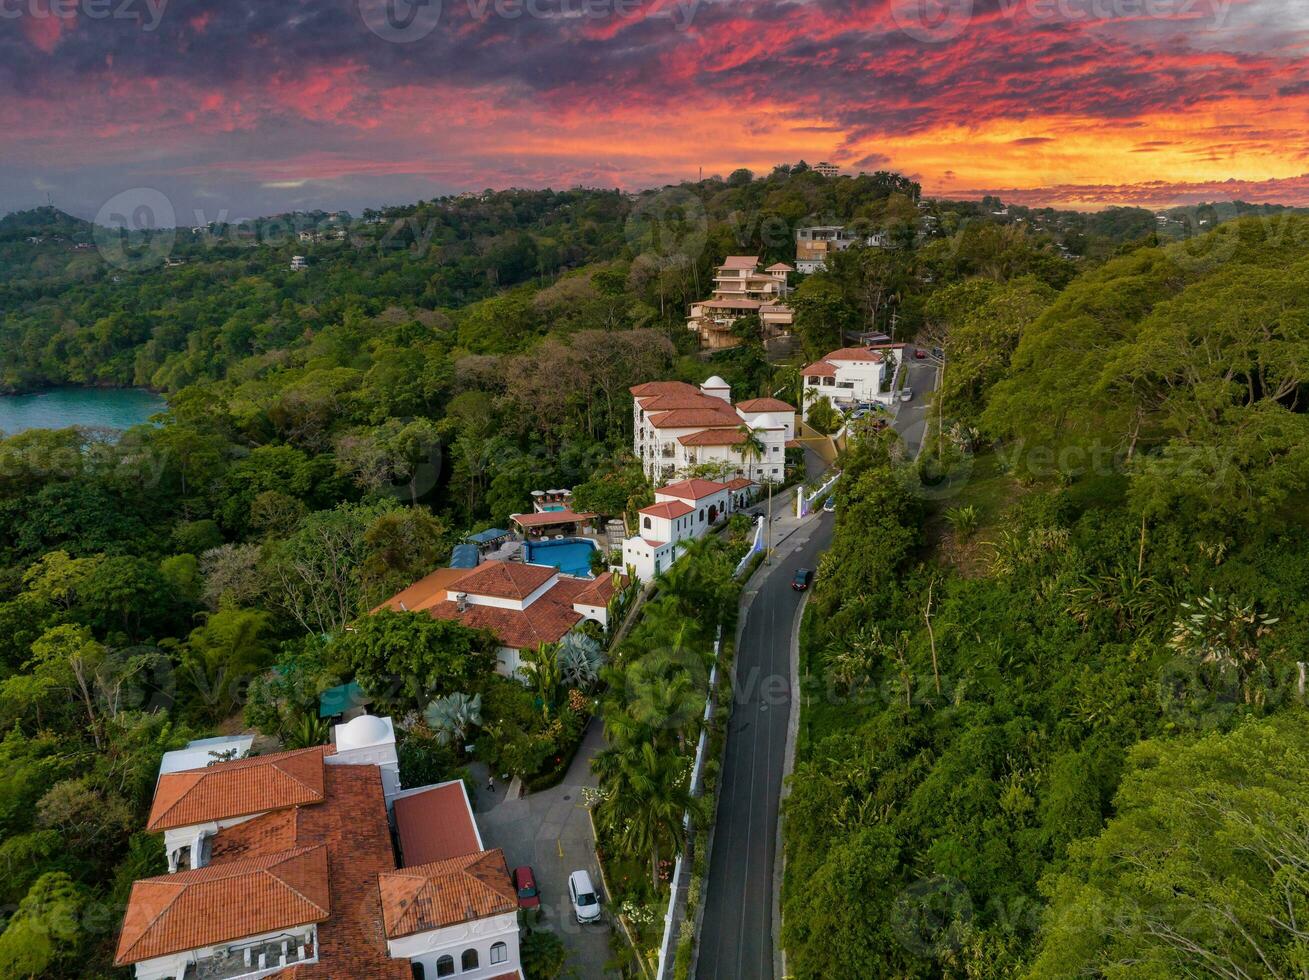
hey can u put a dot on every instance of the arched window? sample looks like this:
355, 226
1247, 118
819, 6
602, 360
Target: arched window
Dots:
469, 960
499, 953
701, 515
445, 966
647, 524
417, 970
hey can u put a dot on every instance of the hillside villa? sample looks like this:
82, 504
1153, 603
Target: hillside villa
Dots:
814, 244
741, 289
523, 604
681, 513
852, 376
285, 866
677, 426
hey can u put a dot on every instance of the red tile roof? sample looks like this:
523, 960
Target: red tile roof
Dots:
713, 437
506, 580
692, 489
238, 788
353, 825
820, 369
740, 483
740, 262
780, 267
223, 903
651, 388
435, 825
668, 511
548, 517
600, 591
446, 893
680, 400
546, 620
427, 590
764, 405
695, 418
853, 354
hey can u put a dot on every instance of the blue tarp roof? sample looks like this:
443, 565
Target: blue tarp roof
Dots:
464, 556
487, 536
338, 700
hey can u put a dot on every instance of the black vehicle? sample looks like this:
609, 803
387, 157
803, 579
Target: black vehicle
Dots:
803, 578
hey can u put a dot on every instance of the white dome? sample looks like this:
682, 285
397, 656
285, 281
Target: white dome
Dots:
363, 731
715, 382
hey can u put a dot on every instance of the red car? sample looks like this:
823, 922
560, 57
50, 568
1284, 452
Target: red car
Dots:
525, 884
920, 354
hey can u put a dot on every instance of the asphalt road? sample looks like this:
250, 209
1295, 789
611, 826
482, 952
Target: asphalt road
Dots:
737, 936
911, 419
736, 941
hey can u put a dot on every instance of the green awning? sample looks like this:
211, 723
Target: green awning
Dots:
338, 700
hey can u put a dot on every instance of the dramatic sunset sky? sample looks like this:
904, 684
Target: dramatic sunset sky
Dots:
246, 107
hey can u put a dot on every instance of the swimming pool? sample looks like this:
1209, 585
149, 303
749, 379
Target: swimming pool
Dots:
572, 556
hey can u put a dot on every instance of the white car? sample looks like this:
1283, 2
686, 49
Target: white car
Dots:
586, 906
906, 394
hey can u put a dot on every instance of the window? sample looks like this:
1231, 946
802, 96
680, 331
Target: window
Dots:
445, 966
417, 970
646, 525
701, 515
468, 961
499, 953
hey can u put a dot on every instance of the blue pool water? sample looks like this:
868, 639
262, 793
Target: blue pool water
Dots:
572, 556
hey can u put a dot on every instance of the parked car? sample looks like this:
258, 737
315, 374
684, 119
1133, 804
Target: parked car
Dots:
920, 354
829, 505
525, 884
803, 578
906, 394
586, 905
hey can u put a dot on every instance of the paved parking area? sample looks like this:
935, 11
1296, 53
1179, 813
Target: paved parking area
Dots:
550, 831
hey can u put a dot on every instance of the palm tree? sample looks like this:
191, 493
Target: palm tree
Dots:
751, 447
543, 670
645, 796
452, 717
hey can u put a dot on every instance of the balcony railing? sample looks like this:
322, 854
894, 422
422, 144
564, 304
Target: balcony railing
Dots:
253, 959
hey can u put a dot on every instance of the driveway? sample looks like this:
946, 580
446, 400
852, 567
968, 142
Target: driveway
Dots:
911, 419
550, 831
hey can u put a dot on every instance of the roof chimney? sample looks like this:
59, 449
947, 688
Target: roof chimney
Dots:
461, 602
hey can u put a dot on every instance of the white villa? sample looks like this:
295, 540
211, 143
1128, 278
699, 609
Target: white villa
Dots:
853, 375
681, 513
677, 426
741, 288
283, 865
815, 243
524, 605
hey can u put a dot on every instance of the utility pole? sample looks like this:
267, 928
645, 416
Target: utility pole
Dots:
768, 528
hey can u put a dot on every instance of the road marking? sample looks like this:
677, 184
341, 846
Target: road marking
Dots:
560, 844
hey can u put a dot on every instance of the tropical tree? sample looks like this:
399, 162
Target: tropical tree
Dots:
645, 794
545, 673
452, 717
580, 660
750, 448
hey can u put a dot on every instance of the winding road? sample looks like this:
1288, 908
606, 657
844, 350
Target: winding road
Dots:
736, 940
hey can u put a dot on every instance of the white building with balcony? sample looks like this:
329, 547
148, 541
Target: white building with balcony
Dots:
678, 427
681, 513
853, 376
815, 243
742, 289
